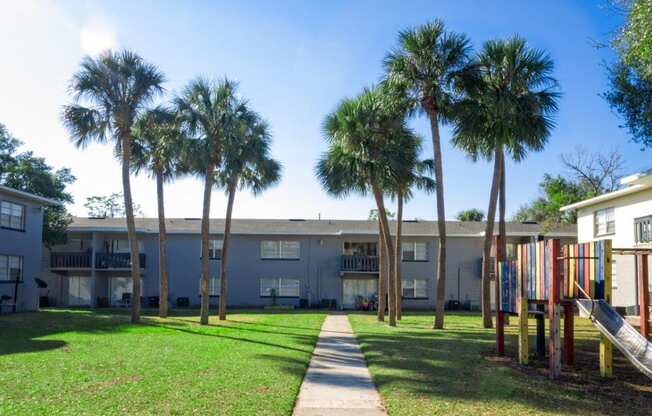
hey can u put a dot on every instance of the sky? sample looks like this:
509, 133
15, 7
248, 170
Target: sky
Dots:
294, 61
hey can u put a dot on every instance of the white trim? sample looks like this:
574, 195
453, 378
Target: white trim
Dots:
606, 197
28, 196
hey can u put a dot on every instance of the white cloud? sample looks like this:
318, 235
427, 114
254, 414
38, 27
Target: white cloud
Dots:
97, 36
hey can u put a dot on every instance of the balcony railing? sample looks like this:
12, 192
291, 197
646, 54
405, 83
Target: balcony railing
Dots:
116, 260
361, 264
70, 260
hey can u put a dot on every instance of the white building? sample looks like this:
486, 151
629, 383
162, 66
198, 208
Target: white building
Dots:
625, 217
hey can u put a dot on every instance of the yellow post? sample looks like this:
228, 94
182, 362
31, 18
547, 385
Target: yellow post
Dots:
523, 342
606, 347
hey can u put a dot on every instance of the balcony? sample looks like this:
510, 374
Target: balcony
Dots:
116, 260
70, 260
359, 264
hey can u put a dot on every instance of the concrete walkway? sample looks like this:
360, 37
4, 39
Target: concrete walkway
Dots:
338, 382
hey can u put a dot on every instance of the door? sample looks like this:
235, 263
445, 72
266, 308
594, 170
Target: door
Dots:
79, 291
352, 288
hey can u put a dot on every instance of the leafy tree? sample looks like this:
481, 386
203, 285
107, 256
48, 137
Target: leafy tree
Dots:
26, 172
158, 146
630, 77
210, 112
427, 66
373, 214
108, 206
509, 105
109, 93
247, 164
472, 214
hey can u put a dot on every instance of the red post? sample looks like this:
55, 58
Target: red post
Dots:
500, 318
643, 294
554, 345
569, 334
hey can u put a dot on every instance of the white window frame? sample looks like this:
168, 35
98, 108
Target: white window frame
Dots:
412, 246
6, 261
9, 218
213, 286
214, 248
601, 228
283, 249
115, 246
283, 286
643, 230
411, 284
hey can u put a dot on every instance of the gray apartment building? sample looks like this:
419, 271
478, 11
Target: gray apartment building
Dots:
21, 236
288, 262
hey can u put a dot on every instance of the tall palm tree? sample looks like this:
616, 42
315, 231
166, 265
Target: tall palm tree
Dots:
109, 93
413, 173
210, 112
247, 164
362, 133
427, 65
511, 100
157, 147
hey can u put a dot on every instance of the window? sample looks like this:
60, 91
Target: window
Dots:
614, 275
605, 222
213, 286
215, 249
360, 249
281, 287
122, 246
415, 289
12, 215
414, 251
280, 249
11, 268
643, 229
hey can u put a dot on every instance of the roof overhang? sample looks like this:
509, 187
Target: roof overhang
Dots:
28, 196
607, 197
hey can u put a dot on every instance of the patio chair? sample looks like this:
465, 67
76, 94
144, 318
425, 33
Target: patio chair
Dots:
125, 300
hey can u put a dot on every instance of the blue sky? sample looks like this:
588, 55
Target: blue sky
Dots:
295, 60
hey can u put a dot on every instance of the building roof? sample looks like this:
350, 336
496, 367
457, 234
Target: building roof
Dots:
308, 227
630, 184
28, 196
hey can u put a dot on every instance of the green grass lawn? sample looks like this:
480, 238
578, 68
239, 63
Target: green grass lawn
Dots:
80, 362
420, 371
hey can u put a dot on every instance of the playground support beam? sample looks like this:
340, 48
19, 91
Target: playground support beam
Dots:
554, 342
569, 334
606, 347
500, 316
643, 294
523, 344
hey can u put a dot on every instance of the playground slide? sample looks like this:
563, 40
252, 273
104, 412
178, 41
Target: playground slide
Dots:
624, 336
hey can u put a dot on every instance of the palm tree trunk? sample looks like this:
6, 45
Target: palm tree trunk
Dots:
162, 250
441, 221
225, 247
382, 215
488, 240
131, 227
397, 279
382, 274
205, 225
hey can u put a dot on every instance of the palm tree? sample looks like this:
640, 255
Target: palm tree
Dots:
247, 164
210, 112
511, 99
427, 65
363, 136
110, 92
413, 173
157, 147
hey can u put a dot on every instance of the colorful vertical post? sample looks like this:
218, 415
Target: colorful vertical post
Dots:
554, 342
523, 345
606, 347
500, 319
643, 294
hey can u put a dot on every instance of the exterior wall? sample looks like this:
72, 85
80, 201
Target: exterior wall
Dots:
626, 210
28, 244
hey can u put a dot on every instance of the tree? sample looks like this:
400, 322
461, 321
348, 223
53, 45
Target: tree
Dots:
630, 77
595, 172
28, 173
510, 101
362, 134
472, 214
247, 164
427, 66
157, 148
209, 112
110, 92
109, 206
